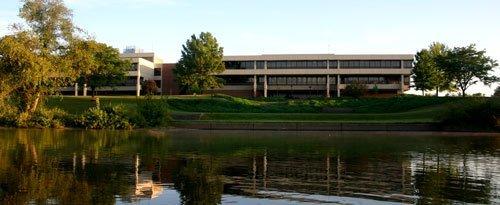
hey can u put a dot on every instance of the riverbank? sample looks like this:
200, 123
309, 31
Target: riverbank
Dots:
226, 112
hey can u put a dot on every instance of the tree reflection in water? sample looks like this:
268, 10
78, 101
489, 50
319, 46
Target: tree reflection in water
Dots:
106, 167
198, 182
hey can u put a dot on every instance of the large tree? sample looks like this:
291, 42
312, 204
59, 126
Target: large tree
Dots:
201, 58
97, 64
427, 74
31, 59
466, 66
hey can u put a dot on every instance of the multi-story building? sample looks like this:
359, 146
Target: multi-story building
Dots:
145, 66
279, 75
314, 74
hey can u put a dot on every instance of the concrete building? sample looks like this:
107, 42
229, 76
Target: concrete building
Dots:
145, 66
313, 74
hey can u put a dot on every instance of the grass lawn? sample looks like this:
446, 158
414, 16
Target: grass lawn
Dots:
403, 109
416, 116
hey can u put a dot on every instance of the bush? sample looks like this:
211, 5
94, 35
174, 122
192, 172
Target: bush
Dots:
149, 87
476, 113
108, 117
153, 113
46, 118
355, 90
8, 115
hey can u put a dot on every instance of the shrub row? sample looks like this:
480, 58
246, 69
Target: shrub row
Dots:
150, 113
475, 113
228, 104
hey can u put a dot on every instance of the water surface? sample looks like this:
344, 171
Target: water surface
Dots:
247, 167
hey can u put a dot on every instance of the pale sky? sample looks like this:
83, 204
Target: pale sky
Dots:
249, 27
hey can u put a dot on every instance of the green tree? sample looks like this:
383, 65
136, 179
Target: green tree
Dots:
355, 90
201, 58
26, 75
97, 64
466, 66
31, 61
427, 74
497, 92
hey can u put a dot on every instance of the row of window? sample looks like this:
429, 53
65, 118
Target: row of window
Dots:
319, 64
313, 80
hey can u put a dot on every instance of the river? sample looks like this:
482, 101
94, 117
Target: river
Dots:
247, 167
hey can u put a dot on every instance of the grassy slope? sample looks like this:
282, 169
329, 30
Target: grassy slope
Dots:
225, 108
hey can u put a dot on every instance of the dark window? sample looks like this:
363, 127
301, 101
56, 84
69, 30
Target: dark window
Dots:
157, 72
333, 64
321, 80
260, 64
134, 67
375, 64
407, 64
364, 64
344, 64
158, 83
130, 81
271, 64
395, 64
239, 64
301, 64
237, 80
312, 64
363, 80
321, 64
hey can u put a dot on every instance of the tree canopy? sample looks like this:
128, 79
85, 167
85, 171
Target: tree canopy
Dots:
31, 61
97, 64
201, 58
466, 66
48, 53
427, 74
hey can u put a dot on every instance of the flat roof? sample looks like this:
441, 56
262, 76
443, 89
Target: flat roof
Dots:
278, 57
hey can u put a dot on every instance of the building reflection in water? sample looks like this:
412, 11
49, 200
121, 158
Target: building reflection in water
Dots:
110, 168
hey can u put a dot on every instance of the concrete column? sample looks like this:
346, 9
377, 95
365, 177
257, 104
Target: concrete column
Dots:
328, 86
76, 89
265, 80
84, 90
265, 86
338, 85
402, 84
138, 83
328, 80
254, 79
255, 86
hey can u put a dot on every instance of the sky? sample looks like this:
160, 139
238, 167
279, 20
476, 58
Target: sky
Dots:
254, 27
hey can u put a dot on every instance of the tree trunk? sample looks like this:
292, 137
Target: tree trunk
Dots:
32, 105
463, 92
35, 103
437, 91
